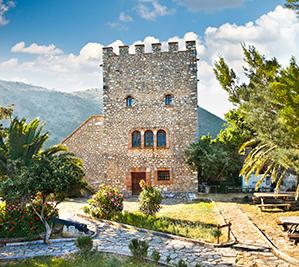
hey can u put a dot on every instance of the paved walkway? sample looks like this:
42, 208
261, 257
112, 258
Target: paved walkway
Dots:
111, 238
259, 253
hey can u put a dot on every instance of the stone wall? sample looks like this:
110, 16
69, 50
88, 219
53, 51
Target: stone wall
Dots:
87, 142
147, 77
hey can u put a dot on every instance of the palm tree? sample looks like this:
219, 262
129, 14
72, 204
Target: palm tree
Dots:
262, 156
21, 143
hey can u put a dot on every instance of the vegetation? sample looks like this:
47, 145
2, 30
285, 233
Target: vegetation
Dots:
293, 4
17, 220
27, 171
20, 144
181, 263
155, 256
150, 199
218, 160
139, 248
194, 220
268, 102
106, 203
84, 244
97, 259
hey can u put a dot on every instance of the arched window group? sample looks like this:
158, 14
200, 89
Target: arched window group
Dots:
151, 139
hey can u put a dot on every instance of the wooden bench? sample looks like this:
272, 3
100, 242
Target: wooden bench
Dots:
284, 206
294, 237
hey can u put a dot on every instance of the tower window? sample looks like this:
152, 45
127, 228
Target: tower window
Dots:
129, 101
163, 175
148, 139
168, 100
136, 139
161, 138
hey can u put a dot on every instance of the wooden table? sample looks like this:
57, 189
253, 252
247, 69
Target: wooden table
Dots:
291, 225
283, 196
286, 196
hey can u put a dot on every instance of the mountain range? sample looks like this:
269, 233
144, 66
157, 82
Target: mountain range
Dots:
63, 112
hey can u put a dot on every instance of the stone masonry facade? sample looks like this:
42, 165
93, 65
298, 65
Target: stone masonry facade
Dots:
106, 143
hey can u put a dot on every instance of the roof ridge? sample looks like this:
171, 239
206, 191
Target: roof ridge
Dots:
81, 125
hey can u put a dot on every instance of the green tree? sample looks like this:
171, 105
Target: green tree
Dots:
269, 104
293, 4
214, 160
51, 177
26, 170
20, 143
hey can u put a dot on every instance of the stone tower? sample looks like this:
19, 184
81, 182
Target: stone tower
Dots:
149, 118
147, 79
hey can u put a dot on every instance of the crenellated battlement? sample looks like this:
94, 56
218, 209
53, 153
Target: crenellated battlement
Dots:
173, 47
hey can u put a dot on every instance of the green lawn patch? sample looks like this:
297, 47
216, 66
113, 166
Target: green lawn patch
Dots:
95, 260
194, 220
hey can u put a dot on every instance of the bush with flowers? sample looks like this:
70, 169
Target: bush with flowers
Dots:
106, 203
19, 220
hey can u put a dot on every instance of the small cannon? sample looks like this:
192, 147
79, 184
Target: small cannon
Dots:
79, 226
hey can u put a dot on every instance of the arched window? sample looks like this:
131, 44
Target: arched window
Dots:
168, 100
129, 101
148, 138
161, 138
136, 139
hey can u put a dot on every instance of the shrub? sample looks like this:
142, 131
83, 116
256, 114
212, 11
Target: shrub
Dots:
155, 256
149, 200
216, 233
168, 259
138, 248
106, 203
181, 263
18, 220
84, 244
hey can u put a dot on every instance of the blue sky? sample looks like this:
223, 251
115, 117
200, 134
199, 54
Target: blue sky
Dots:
71, 23
57, 43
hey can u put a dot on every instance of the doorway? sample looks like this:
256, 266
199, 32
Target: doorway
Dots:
136, 178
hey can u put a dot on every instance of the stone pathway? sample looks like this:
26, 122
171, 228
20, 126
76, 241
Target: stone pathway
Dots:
112, 238
249, 239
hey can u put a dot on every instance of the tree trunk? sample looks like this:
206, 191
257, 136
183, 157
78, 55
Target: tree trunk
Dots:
48, 231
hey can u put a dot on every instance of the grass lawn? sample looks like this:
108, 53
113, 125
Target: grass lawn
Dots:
94, 260
194, 220
267, 222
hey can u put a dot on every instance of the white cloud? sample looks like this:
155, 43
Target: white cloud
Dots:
151, 9
124, 17
36, 49
5, 5
208, 5
120, 24
276, 34
117, 25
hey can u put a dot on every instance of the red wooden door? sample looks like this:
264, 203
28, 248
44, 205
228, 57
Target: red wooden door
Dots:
136, 178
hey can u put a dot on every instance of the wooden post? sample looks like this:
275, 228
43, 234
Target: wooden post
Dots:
228, 233
218, 228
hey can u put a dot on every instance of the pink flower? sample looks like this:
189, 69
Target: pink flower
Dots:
112, 199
